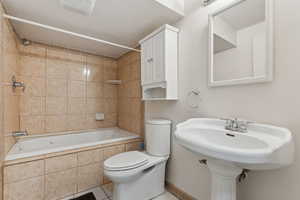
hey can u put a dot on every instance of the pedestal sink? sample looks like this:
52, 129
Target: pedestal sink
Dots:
228, 153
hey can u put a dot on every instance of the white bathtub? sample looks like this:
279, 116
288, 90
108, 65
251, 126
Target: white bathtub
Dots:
42, 145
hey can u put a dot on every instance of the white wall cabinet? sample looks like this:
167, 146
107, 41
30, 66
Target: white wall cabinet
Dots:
159, 59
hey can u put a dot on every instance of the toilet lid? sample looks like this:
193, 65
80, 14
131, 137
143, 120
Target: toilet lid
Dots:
125, 161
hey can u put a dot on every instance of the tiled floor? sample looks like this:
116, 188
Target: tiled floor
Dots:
105, 193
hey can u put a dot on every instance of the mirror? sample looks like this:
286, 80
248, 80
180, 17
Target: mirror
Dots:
241, 43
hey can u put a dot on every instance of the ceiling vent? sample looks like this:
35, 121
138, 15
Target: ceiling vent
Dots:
84, 7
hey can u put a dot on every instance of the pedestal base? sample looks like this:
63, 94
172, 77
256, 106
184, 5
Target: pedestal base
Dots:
223, 180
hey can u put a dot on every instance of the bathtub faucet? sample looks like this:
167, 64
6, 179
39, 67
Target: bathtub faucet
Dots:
20, 133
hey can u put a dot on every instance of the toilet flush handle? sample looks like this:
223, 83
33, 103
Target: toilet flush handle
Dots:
149, 169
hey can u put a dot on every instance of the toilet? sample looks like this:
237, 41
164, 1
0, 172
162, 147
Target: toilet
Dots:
141, 175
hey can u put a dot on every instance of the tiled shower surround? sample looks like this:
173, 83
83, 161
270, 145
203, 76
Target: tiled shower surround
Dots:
9, 101
64, 91
130, 106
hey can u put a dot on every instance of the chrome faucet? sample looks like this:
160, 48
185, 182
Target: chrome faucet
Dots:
20, 133
237, 125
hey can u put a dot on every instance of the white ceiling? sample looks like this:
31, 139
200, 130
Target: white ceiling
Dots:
119, 21
245, 14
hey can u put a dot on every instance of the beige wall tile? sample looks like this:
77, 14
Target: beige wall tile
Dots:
56, 87
33, 124
130, 107
135, 89
111, 120
123, 73
89, 176
33, 49
32, 189
135, 107
10, 66
55, 123
32, 105
23, 171
124, 105
10, 100
92, 123
34, 86
110, 72
134, 146
111, 151
57, 69
32, 66
97, 60
89, 157
136, 70
64, 54
95, 73
110, 91
60, 163
77, 89
77, 105
95, 105
76, 122
60, 184
56, 105
110, 105
78, 71
94, 89
136, 125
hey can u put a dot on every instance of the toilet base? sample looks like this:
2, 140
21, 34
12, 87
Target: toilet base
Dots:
150, 184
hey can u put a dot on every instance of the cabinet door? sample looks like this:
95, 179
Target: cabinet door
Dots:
158, 57
147, 62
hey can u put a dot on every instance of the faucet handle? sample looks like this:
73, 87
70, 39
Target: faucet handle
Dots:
244, 121
228, 120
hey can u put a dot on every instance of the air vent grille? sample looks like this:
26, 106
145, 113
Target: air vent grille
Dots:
84, 7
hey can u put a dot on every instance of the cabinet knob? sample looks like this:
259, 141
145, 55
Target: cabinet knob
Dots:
150, 60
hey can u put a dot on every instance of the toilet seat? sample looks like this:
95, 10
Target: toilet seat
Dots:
126, 161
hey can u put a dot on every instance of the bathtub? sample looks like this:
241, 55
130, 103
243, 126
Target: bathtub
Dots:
29, 147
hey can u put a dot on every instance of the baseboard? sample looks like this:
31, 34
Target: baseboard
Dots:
178, 192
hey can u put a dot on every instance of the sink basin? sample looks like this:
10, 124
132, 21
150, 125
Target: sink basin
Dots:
262, 147
228, 153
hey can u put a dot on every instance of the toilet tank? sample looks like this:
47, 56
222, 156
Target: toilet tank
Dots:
158, 137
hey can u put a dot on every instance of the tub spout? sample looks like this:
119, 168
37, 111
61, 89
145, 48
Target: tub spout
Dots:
20, 133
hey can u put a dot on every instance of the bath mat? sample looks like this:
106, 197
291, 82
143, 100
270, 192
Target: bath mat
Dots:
88, 196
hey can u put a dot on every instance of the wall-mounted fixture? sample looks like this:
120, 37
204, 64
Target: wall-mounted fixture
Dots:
84, 7
114, 82
193, 98
25, 21
241, 45
20, 133
159, 60
16, 84
25, 42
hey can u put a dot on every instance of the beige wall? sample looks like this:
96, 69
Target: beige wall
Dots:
9, 100
274, 103
130, 106
65, 89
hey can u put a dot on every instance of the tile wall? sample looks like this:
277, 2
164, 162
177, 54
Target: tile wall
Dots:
9, 101
53, 178
130, 106
65, 89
